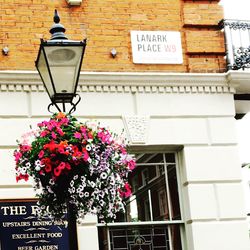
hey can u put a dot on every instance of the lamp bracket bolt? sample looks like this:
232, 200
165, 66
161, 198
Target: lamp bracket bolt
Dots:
113, 52
5, 51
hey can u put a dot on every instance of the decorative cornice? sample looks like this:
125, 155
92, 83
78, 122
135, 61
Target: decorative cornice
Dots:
119, 82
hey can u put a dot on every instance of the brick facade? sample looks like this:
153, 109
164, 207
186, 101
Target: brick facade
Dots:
107, 25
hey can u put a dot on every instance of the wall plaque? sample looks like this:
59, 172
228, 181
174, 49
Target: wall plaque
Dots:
156, 47
20, 229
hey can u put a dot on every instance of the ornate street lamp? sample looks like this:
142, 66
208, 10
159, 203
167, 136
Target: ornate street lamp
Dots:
59, 63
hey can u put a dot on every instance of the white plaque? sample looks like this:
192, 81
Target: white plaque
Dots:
156, 47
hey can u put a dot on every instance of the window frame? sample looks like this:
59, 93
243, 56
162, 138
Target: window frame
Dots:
168, 222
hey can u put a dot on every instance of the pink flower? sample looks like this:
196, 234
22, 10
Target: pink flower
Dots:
59, 131
42, 124
131, 164
43, 133
53, 135
128, 192
41, 154
51, 124
17, 155
25, 148
64, 121
77, 135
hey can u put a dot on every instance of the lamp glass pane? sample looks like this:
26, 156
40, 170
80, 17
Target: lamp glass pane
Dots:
44, 72
64, 64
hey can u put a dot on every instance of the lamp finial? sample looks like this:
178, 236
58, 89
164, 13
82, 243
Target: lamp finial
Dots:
56, 17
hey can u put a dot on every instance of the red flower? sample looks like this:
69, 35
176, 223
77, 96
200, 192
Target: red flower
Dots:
22, 177
62, 165
57, 171
90, 135
51, 146
48, 168
85, 154
67, 165
46, 161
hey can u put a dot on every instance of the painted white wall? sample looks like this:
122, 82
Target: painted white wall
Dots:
193, 112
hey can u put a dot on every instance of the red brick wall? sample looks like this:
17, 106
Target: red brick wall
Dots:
106, 24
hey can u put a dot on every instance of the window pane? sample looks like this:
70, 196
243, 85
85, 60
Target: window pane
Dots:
174, 195
154, 198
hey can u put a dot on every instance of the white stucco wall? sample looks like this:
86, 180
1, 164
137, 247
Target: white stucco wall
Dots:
189, 112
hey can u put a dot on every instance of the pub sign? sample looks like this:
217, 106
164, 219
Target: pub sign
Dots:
20, 228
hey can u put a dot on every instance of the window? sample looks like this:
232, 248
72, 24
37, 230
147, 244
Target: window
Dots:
153, 217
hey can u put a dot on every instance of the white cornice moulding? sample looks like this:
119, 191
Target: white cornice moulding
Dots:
240, 80
74, 2
152, 82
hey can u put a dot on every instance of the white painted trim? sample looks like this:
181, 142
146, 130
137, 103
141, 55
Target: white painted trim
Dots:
74, 2
148, 82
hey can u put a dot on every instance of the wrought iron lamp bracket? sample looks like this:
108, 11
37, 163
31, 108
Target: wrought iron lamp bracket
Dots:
73, 104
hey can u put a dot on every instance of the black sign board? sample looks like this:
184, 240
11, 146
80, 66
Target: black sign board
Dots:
20, 229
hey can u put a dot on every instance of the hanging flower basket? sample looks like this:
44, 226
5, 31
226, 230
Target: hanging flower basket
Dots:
81, 164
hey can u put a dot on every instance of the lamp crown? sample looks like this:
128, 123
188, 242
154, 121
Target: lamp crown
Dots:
57, 30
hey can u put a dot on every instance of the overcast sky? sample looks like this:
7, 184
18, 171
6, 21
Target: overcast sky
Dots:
236, 9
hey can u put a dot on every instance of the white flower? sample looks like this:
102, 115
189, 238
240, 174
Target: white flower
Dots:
81, 194
51, 182
102, 203
112, 191
23, 170
91, 183
75, 177
88, 147
101, 194
103, 175
95, 162
86, 194
37, 168
28, 164
38, 163
80, 188
72, 183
